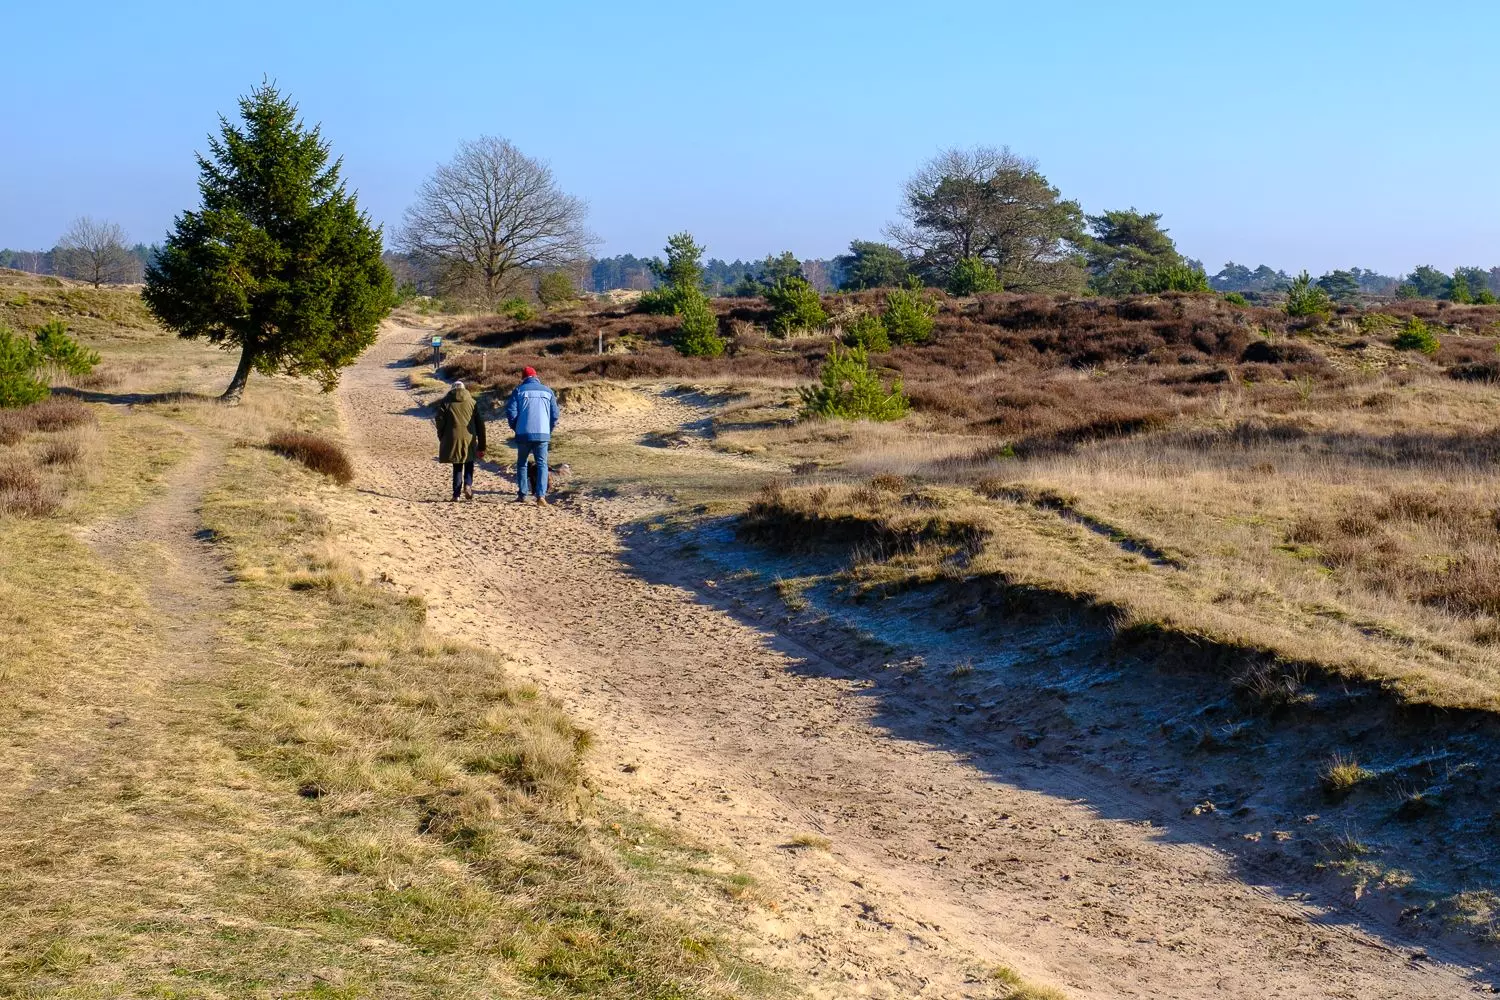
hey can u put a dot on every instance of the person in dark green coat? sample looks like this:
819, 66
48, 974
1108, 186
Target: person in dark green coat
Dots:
460, 429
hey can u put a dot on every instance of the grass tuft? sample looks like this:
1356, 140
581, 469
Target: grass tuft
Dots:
1341, 774
810, 841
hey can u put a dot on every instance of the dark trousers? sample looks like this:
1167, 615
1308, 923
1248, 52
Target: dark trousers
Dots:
463, 475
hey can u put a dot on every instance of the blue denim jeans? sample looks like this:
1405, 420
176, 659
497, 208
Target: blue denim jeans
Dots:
525, 450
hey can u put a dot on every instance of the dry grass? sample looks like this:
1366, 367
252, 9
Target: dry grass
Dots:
811, 841
318, 453
300, 791
1019, 989
1341, 774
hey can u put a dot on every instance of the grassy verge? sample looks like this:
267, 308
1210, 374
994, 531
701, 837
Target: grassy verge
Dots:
444, 798
281, 784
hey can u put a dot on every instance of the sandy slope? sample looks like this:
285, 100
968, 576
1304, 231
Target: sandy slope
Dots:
743, 739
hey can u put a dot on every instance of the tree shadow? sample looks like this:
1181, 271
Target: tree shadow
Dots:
134, 398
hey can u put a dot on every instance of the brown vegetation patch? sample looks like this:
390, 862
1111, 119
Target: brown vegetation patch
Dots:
23, 493
316, 452
56, 414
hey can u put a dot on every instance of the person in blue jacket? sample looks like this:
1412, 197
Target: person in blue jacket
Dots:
532, 412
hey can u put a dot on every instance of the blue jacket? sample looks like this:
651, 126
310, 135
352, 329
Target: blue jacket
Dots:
532, 410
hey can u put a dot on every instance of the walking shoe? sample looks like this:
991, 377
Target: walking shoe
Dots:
542, 502
468, 493
521, 498
453, 499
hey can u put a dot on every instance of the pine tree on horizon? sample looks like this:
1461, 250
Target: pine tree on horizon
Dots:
278, 260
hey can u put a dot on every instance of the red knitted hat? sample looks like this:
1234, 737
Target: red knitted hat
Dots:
528, 371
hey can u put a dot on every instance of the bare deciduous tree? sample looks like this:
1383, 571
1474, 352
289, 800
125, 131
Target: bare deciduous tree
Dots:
491, 212
94, 251
991, 204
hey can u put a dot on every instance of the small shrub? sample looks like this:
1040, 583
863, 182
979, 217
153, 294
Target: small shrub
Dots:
1174, 278
59, 414
868, 331
23, 494
1376, 322
555, 289
63, 451
699, 335
1236, 299
1306, 299
909, 316
57, 349
517, 309
849, 390
1416, 336
797, 306
889, 482
664, 301
972, 276
316, 452
19, 360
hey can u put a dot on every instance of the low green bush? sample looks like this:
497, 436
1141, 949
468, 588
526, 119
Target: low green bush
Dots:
1416, 336
868, 331
1174, 278
664, 301
796, 305
1236, 299
554, 289
517, 309
909, 316
848, 389
699, 334
972, 276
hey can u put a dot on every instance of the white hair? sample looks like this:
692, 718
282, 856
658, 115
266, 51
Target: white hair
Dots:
458, 384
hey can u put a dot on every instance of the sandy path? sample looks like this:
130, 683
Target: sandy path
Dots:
936, 871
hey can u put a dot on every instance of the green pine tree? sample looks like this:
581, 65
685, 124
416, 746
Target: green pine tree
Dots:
278, 261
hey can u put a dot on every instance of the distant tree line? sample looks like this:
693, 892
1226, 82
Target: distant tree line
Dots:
90, 251
491, 225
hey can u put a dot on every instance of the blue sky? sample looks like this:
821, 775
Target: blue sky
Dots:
1313, 134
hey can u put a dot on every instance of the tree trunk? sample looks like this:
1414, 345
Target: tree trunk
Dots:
236, 388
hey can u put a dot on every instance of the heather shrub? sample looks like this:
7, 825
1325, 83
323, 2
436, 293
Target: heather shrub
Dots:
314, 451
517, 309
909, 316
19, 360
972, 276
699, 334
1416, 336
24, 494
868, 331
848, 389
796, 306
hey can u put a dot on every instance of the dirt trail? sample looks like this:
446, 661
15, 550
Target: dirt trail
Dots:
742, 739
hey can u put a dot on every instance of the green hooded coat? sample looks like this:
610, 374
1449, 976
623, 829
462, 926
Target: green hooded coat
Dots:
460, 427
